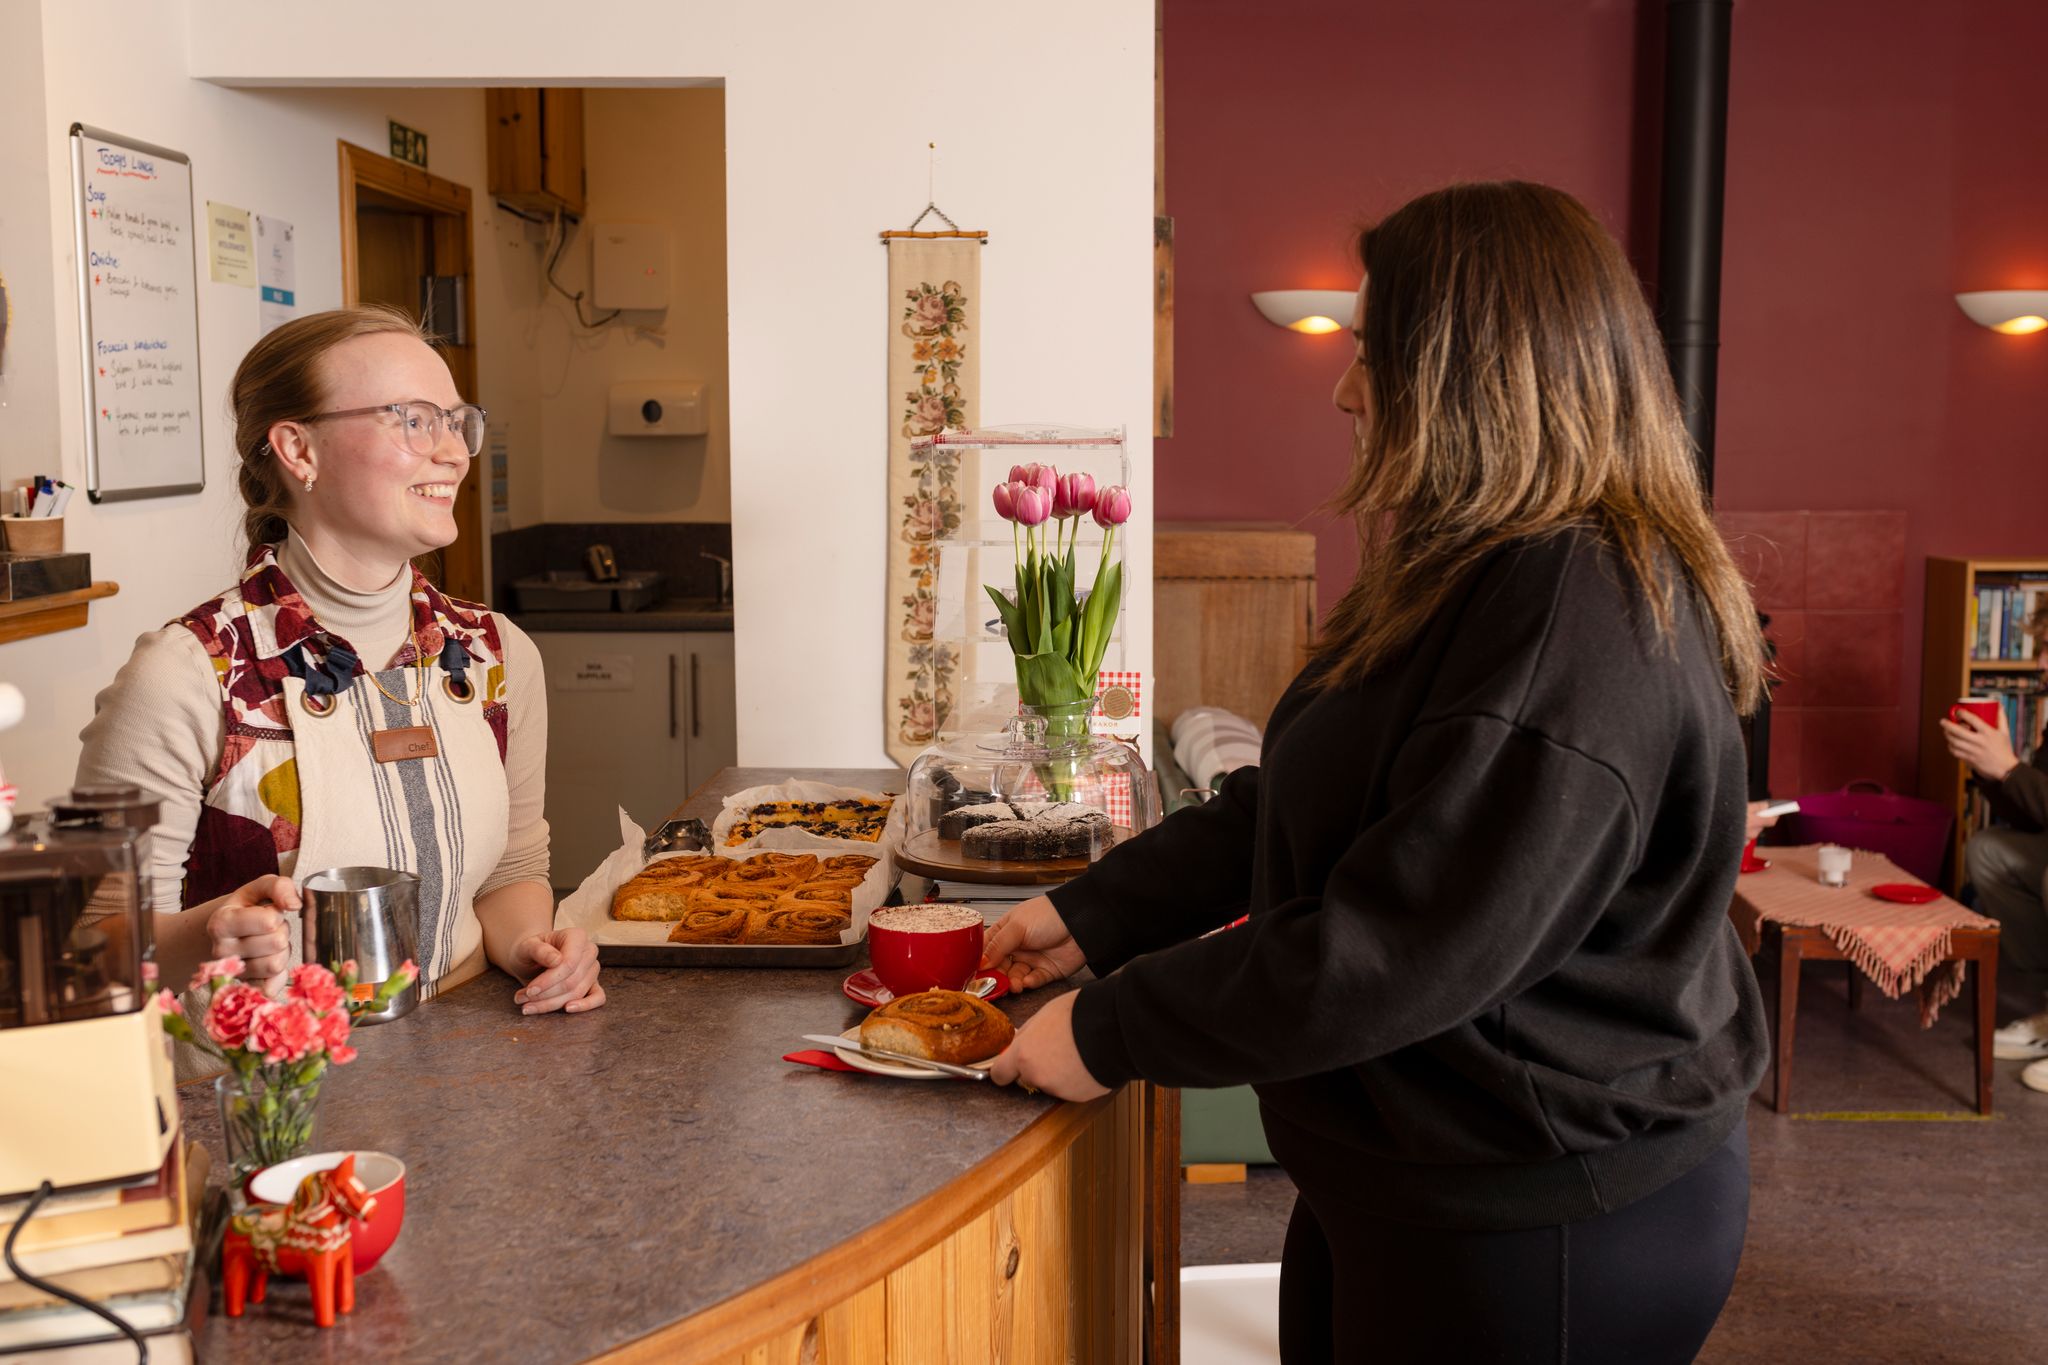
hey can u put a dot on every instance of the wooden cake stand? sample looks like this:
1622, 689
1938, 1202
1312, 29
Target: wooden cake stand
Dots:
927, 855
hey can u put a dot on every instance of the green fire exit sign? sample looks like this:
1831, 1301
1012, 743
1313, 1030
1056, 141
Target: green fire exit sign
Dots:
408, 144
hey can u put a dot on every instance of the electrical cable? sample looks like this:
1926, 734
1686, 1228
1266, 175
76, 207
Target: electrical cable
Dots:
56, 1291
520, 213
575, 299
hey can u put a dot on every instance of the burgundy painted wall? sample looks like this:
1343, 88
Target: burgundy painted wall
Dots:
1883, 155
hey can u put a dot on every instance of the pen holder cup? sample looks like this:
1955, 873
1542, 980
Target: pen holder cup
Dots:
33, 535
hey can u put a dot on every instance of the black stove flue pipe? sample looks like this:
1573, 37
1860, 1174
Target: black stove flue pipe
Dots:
1696, 40
1689, 220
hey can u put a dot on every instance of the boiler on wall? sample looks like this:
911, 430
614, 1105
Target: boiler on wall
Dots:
657, 408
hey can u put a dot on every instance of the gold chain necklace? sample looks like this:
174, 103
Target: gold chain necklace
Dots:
412, 635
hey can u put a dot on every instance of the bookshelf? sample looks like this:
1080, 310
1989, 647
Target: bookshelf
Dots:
1974, 642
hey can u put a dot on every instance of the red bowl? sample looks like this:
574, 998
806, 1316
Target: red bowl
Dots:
909, 962
381, 1173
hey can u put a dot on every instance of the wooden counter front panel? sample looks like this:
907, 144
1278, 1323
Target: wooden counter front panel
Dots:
1049, 1274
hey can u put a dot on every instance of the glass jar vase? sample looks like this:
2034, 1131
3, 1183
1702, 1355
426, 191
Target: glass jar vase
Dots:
265, 1120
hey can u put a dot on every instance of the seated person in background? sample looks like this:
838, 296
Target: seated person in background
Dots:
2009, 866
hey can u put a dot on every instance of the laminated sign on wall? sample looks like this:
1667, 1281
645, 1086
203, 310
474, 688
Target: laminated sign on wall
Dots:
138, 312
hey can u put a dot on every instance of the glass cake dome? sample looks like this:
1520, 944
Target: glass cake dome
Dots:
1036, 802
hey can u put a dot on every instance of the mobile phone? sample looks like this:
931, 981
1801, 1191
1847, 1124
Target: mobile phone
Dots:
1778, 808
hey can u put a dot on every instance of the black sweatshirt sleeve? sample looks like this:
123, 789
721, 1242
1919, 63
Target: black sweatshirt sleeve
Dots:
2022, 797
1185, 876
1499, 851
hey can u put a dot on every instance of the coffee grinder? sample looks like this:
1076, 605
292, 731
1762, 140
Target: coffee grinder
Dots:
85, 1066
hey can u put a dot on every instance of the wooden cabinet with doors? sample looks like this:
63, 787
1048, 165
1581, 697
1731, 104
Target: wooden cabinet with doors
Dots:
535, 142
637, 719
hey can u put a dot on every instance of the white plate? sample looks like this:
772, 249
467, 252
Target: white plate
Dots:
862, 1062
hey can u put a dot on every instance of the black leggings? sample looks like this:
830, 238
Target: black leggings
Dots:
1641, 1285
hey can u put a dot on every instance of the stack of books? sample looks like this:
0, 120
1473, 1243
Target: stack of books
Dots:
127, 1248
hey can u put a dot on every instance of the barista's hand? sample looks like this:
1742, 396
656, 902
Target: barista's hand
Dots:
248, 924
1031, 946
560, 971
1987, 751
1043, 1055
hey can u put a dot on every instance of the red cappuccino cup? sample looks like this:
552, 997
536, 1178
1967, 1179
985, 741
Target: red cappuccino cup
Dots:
1985, 709
925, 947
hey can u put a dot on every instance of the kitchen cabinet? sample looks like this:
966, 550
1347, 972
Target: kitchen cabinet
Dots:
635, 719
535, 143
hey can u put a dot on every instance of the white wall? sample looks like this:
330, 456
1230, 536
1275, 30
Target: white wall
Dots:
1043, 116
654, 156
269, 151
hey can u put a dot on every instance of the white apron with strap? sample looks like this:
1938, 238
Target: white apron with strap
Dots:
442, 818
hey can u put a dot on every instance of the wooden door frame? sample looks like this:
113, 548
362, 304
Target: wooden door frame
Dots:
450, 204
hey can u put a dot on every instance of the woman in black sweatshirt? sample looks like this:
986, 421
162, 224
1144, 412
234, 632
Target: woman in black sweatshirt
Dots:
1501, 1030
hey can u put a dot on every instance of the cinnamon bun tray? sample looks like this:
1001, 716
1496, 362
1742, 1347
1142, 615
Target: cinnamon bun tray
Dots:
644, 943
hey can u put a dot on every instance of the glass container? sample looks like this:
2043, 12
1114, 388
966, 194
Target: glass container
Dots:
1044, 789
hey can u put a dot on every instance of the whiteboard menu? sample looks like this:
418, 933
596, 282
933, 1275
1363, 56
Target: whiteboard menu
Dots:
138, 312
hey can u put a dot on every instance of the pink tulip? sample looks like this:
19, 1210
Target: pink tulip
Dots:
1017, 473
1006, 500
1034, 505
1075, 497
1047, 478
1113, 506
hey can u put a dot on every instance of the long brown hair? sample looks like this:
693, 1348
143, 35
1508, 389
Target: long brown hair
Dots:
1518, 387
280, 380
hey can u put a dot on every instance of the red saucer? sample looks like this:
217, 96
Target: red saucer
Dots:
1905, 893
865, 988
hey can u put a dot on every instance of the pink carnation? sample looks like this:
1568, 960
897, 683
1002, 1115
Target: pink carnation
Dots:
314, 984
226, 966
168, 1002
233, 1011
334, 1031
285, 1031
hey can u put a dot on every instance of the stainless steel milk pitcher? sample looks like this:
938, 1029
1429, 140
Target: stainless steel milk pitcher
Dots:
371, 914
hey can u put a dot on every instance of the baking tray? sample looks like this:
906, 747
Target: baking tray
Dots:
737, 955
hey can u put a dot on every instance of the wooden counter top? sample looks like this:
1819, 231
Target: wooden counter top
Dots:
652, 1179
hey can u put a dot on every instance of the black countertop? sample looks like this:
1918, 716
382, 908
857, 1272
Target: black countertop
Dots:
669, 614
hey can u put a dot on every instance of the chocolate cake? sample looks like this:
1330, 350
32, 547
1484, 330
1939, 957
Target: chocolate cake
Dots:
957, 821
1053, 832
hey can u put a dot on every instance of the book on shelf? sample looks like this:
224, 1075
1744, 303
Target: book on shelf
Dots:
1999, 614
171, 1236
70, 1217
162, 1348
164, 1297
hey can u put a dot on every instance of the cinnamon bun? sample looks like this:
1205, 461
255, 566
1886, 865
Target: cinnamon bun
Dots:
942, 1026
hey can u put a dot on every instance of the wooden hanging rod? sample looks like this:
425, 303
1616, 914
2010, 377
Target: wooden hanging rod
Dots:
981, 237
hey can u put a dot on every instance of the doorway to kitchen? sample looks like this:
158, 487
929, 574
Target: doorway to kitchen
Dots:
405, 242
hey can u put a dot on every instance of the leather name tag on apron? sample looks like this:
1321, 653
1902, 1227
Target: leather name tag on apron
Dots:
407, 741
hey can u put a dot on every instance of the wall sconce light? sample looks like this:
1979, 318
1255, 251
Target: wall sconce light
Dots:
1308, 310
2014, 312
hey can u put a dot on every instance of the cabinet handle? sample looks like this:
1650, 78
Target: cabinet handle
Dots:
696, 692
671, 696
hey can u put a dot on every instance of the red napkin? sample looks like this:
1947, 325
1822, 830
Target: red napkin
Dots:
824, 1061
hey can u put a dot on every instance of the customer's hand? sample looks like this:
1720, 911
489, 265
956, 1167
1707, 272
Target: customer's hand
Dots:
1031, 946
560, 970
1043, 1055
1988, 751
1755, 821
248, 923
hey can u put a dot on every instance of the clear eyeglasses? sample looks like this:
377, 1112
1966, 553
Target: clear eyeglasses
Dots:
421, 423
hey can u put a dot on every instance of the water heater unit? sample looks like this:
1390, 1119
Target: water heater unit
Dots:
629, 265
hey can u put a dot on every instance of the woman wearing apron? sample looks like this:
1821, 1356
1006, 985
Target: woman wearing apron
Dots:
332, 708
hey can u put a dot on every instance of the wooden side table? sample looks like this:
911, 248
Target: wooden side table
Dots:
1790, 945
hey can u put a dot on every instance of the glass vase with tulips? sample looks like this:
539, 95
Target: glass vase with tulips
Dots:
1058, 638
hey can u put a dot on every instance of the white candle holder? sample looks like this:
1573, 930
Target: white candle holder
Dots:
1834, 865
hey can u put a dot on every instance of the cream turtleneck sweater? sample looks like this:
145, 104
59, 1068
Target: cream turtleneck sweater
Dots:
160, 726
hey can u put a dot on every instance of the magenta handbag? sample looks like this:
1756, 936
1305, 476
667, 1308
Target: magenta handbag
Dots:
1869, 815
